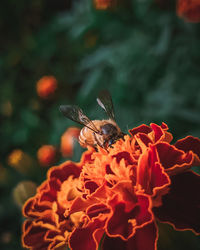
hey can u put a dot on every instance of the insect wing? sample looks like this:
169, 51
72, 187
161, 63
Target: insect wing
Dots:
105, 101
76, 114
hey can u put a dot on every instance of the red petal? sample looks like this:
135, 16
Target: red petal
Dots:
190, 143
81, 204
164, 126
33, 236
51, 234
154, 133
87, 237
127, 216
172, 159
91, 185
28, 207
145, 238
189, 9
157, 131
65, 170
150, 174
143, 140
51, 193
95, 210
181, 206
119, 225
140, 129
124, 155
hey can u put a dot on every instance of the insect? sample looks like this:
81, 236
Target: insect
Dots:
96, 132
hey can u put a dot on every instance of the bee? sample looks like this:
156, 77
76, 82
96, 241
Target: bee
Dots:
103, 133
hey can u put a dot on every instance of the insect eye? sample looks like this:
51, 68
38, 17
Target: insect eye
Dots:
108, 129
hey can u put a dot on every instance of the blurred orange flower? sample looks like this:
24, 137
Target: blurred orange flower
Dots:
113, 196
46, 86
23, 191
67, 141
21, 161
47, 155
104, 4
189, 10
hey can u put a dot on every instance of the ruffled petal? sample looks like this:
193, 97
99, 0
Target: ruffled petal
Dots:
65, 170
33, 210
126, 216
143, 141
158, 132
140, 129
155, 133
50, 194
181, 206
33, 236
172, 159
144, 238
122, 223
150, 174
89, 236
190, 143
95, 210
81, 204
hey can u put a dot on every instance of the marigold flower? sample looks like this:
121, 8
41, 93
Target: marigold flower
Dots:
46, 155
46, 86
189, 10
67, 141
104, 4
113, 196
21, 161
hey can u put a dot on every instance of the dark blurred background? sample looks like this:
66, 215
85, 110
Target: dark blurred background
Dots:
141, 51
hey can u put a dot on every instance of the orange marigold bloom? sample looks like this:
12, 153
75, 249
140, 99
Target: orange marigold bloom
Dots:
46, 155
113, 196
46, 86
67, 141
104, 4
189, 10
21, 161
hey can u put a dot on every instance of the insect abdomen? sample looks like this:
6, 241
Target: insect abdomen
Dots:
86, 137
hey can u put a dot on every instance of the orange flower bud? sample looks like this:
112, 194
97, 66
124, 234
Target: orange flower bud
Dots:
23, 191
104, 4
189, 10
46, 86
67, 141
46, 155
21, 161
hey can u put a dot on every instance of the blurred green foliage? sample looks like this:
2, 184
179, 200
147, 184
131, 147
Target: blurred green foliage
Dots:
146, 56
